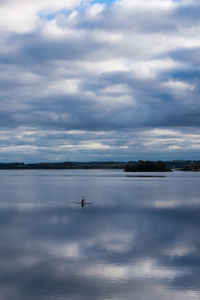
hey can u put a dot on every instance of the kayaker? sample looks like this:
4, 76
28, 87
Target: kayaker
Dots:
83, 201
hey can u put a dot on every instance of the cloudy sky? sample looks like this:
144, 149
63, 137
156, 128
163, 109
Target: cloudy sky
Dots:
84, 80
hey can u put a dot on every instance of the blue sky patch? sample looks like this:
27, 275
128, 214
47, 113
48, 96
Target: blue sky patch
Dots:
107, 2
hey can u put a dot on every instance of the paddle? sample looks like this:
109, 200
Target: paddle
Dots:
81, 203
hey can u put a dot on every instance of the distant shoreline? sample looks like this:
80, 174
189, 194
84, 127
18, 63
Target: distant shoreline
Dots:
180, 165
63, 166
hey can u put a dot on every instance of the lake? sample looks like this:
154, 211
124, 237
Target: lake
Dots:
138, 240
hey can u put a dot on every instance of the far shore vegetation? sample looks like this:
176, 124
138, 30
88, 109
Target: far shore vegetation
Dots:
131, 166
195, 166
147, 166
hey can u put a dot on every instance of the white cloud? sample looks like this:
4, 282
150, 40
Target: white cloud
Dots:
68, 86
86, 146
146, 4
144, 269
180, 85
180, 250
95, 9
25, 15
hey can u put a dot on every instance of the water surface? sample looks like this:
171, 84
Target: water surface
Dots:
139, 240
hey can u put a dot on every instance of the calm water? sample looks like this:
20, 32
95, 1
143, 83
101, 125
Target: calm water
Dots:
139, 240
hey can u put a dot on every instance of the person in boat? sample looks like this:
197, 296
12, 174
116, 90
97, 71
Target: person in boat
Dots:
83, 201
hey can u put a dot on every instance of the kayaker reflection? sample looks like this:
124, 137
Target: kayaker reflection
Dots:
83, 202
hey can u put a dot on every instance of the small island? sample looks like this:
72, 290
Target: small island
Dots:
147, 166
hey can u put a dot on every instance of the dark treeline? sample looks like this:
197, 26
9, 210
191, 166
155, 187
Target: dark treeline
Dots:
132, 166
147, 166
184, 165
194, 166
63, 165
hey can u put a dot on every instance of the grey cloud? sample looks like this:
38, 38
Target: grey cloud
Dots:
120, 62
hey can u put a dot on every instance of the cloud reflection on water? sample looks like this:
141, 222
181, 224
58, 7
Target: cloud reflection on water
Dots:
110, 250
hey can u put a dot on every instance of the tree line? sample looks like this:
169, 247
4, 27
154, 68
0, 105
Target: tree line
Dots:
147, 166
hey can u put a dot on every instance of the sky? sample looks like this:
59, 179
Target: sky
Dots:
84, 80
